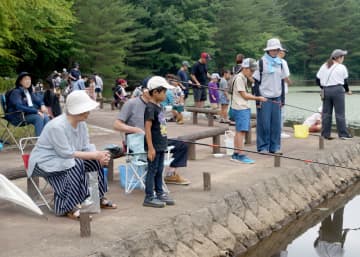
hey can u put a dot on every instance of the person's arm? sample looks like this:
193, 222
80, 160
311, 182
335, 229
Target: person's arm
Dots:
125, 114
148, 137
197, 83
346, 86
248, 96
193, 77
119, 125
15, 100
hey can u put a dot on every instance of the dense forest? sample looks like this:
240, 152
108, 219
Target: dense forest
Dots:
136, 38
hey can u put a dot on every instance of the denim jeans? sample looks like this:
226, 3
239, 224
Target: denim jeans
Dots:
38, 122
154, 176
268, 126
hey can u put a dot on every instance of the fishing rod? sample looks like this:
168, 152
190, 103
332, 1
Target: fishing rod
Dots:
275, 102
270, 154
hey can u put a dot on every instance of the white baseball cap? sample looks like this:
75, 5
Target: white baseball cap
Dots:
79, 102
215, 76
156, 82
273, 44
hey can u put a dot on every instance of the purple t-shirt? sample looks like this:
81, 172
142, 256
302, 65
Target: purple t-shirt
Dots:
213, 92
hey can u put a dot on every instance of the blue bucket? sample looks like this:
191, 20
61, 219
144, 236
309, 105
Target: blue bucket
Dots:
122, 175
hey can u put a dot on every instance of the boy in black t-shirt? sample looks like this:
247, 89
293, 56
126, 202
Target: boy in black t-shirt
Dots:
156, 143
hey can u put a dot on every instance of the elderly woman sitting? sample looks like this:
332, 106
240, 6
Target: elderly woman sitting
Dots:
22, 99
63, 156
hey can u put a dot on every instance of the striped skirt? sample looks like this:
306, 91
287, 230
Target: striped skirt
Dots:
71, 186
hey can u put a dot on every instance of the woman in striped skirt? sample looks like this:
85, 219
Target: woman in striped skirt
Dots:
63, 155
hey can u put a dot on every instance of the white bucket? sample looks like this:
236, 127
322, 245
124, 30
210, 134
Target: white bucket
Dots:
187, 115
229, 142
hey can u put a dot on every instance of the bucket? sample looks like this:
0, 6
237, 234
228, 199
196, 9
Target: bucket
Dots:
301, 131
229, 142
122, 175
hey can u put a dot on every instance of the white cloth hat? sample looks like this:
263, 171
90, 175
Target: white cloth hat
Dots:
79, 102
273, 44
156, 82
215, 76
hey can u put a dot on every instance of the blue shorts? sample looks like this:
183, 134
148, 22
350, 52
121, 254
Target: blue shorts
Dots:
242, 119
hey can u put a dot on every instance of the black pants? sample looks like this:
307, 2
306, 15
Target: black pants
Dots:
334, 98
180, 153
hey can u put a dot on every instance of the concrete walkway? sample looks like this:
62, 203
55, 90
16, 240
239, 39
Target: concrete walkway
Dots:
24, 234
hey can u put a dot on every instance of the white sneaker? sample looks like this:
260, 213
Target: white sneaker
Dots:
284, 135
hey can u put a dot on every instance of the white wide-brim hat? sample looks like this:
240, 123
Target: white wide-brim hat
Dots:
78, 102
273, 44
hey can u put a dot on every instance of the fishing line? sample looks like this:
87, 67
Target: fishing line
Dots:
268, 154
275, 102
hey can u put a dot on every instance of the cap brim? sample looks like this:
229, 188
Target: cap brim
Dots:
272, 48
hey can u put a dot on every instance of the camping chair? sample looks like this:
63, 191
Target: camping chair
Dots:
26, 156
9, 128
136, 159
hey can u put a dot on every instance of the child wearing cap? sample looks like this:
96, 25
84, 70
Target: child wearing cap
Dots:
241, 110
214, 91
156, 143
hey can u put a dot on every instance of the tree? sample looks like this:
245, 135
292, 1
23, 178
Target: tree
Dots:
33, 34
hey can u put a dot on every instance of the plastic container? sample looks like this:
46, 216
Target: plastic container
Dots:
229, 142
301, 131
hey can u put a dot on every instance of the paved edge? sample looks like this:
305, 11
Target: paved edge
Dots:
242, 218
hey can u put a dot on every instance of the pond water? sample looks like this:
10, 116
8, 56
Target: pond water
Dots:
332, 230
308, 97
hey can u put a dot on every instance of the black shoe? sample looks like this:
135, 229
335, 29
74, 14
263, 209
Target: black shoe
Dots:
154, 202
166, 199
278, 152
329, 138
347, 137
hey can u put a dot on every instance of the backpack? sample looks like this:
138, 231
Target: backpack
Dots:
256, 88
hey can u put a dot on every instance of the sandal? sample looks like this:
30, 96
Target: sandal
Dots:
75, 215
107, 204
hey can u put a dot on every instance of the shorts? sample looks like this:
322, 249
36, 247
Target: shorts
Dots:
200, 94
178, 108
97, 90
242, 119
223, 99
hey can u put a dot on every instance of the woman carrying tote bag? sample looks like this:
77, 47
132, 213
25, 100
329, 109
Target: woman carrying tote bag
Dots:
332, 78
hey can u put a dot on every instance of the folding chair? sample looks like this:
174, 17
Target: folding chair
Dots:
136, 162
136, 168
8, 127
26, 156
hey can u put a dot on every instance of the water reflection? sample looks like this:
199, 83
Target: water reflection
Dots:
330, 231
331, 240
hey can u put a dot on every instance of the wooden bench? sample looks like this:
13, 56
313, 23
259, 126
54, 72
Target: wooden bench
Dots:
215, 133
209, 111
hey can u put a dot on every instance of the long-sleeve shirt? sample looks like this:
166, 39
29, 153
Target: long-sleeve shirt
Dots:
54, 150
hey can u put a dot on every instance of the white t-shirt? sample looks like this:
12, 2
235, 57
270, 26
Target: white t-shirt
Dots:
325, 249
310, 121
333, 76
238, 102
99, 82
287, 74
28, 98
